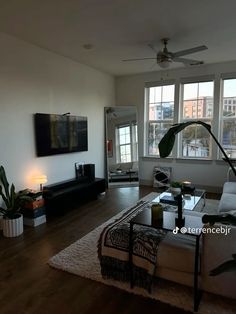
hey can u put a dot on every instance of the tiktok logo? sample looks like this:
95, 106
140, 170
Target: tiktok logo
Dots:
176, 230
182, 230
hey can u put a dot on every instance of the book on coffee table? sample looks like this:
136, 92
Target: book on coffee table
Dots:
168, 199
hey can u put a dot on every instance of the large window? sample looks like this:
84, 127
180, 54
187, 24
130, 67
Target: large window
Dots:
197, 104
127, 139
228, 110
160, 114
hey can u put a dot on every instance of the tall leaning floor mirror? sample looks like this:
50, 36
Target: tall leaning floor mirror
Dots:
121, 146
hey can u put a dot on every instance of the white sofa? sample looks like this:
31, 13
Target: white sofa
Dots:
176, 261
228, 199
176, 258
123, 171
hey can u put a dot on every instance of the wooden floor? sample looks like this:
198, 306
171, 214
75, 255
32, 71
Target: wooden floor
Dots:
29, 285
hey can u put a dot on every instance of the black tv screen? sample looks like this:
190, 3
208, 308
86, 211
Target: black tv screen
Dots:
60, 134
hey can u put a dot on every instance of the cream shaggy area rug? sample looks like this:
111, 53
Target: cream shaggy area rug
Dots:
80, 258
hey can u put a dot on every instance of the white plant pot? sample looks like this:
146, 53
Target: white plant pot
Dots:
13, 227
175, 191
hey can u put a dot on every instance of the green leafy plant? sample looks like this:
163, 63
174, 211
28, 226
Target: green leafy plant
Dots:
12, 200
167, 142
176, 184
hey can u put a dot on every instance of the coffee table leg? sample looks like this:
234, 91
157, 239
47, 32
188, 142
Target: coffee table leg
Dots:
131, 255
204, 199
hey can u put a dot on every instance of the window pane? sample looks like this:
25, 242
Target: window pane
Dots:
127, 138
198, 108
155, 111
135, 133
155, 133
122, 150
190, 91
167, 110
230, 88
208, 108
229, 117
125, 153
121, 131
196, 142
190, 109
155, 94
151, 95
161, 112
168, 93
124, 135
205, 89
229, 137
122, 139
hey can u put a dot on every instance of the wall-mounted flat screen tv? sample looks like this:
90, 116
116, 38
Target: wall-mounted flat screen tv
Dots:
60, 134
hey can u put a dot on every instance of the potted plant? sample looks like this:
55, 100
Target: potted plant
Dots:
175, 187
12, 222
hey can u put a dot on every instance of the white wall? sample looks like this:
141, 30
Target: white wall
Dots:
35, 80
130, 92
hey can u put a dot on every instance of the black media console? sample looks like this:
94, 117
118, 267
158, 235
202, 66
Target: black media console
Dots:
63, 196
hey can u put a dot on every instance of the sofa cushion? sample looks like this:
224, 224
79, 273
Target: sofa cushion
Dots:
230, 187
177, 252
227, 202
114, 168
126, 166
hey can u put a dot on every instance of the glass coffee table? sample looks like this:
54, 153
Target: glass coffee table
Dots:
193, 201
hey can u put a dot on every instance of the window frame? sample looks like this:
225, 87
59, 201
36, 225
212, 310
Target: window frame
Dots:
222, 102
133, 144
146, 111
181, 118
178, 113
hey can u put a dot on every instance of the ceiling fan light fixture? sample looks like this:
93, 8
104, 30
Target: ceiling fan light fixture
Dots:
165, 58
164, 64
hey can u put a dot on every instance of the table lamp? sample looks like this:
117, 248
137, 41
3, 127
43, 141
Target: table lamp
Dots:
40, 179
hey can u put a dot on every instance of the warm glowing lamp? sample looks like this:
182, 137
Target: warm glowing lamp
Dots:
40, 179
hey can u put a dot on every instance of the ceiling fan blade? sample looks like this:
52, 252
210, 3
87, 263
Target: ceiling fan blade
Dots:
152, 47
188, 61
139, 59
189, 51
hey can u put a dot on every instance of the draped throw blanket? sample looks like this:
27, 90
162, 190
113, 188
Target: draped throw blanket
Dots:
113, 249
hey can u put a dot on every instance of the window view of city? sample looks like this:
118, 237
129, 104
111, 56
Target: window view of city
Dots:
229, 117
161, 115
196, 104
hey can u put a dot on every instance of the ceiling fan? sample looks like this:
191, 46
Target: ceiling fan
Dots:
164, 57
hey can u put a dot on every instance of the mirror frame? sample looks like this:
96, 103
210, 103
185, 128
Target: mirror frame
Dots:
106, 112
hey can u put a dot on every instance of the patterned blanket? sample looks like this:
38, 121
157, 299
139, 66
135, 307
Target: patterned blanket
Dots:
113, 249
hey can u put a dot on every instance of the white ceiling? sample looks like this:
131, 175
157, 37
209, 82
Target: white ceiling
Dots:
122, 29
